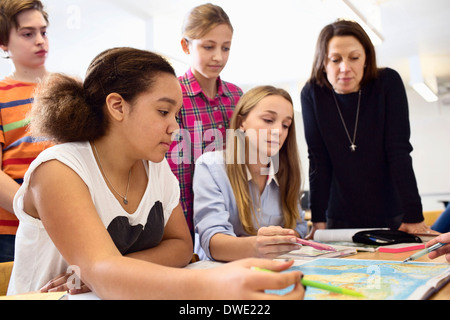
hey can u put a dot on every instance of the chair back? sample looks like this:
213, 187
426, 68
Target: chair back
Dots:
5, 275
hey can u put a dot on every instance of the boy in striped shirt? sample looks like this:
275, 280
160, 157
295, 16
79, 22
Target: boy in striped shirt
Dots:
23, 38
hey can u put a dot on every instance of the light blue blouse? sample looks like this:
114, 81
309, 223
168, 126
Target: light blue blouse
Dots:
215, 209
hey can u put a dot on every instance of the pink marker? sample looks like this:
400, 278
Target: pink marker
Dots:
315, 245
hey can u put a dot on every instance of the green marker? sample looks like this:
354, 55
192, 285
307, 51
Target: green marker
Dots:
323, 286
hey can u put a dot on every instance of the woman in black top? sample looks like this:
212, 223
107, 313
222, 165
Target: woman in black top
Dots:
357, 130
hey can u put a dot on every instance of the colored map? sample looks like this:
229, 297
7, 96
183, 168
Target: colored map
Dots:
377, 280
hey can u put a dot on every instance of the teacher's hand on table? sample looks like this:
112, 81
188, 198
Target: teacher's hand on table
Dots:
420, 227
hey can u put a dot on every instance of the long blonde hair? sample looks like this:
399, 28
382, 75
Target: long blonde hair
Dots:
289, 171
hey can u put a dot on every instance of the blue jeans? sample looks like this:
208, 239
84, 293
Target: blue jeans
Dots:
442, 224
7, 243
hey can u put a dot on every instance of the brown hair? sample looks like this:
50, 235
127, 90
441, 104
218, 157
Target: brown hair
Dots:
68, 110
289, 168
202, 19
342, 28
10, 9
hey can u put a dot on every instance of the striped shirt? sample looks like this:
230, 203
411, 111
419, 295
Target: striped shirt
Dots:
203, 123
18, 148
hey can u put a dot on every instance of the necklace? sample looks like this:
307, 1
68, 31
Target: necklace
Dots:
125, 200
353, 146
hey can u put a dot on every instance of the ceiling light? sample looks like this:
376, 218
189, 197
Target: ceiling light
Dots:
425, 91
374, 35
417, 82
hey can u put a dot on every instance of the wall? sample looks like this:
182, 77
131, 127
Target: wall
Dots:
80, 29
430, 126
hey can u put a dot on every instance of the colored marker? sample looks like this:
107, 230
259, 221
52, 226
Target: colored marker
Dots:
315, 245
322, 286
327, 287
423, 252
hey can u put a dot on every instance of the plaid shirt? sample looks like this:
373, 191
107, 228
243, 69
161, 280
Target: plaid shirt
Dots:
203, 123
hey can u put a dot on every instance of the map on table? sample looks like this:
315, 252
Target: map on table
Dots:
377, 280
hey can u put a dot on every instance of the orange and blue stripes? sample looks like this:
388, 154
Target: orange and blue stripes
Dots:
19, 149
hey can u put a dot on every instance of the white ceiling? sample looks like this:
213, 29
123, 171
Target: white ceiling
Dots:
274, 40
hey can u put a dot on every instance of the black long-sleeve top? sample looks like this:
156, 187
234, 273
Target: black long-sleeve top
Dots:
374, 186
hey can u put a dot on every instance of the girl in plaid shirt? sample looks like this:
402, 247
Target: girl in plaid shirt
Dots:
208, 101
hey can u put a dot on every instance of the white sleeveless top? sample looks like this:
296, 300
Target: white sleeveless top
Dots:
36, 258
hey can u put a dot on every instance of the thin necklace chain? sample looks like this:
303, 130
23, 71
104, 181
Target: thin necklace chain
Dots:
125, 200
353, 146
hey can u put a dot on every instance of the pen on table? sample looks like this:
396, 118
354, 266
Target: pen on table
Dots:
321, 285
315, 245
423, 252
379, 239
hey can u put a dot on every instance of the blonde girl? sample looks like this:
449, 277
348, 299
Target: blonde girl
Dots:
246, 202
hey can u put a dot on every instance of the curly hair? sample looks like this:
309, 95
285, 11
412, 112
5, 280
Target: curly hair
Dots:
66, 109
